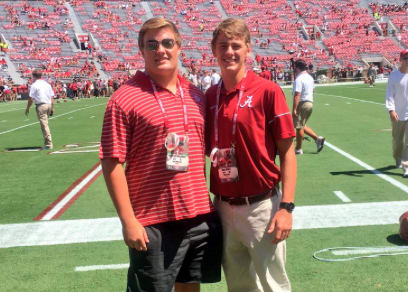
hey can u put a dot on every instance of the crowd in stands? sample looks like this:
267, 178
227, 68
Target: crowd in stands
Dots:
335, 36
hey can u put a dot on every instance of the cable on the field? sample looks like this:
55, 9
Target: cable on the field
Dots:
377, 251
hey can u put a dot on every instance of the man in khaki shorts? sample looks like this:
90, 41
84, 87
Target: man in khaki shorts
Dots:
303, 88
42, 95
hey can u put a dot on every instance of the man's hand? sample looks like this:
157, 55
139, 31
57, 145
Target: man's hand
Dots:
295, 113
52, 112
281, 226
393, 116
27, 111
135, 236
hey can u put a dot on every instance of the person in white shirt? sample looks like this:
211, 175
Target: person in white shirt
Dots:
396, 102
193, 77
206, 81
42, 95
303, 88
215, 77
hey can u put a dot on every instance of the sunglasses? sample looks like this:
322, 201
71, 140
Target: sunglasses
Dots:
153, 45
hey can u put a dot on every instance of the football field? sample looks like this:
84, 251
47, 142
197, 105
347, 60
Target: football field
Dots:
59, 230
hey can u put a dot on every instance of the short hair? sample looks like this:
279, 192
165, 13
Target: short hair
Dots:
232, 27
37, 73
301, 65
157, 23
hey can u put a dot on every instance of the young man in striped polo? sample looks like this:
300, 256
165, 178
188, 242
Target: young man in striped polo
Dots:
155, 124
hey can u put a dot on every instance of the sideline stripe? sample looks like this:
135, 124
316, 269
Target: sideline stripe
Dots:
101, 267
54, 117
342, 196
67, 198
392, 181
355, 99
110, 229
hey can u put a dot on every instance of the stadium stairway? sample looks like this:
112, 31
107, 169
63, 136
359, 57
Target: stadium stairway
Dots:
146, 7
221, 9
12, 71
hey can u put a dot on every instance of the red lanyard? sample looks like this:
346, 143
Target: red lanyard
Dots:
159, 101
234, 119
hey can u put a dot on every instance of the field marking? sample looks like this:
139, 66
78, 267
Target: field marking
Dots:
109, 229
75, 148
391, 180
101, 267
13, 110
355, 99
67, 198
369, 250
54, 117
342, 196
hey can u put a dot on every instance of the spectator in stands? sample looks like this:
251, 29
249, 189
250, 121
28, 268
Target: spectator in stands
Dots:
371, 73
155, 124
206, 81
303, 88
396, 101
42, 95
265, 73
244, 176
193, 77
215, 77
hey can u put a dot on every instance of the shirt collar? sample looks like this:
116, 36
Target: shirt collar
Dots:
249, 77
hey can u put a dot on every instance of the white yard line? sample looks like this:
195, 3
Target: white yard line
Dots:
101, 267
79, 151
354, 99
392, 181
13, 110
61, 204
342, 196
109, 229
54, 117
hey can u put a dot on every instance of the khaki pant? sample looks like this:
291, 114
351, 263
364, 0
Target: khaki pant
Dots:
251, 262
399, 144
304, 111
43, 112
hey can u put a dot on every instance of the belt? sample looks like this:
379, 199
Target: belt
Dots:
237, 201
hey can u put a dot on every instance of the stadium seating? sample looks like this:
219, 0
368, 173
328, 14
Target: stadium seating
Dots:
324, 33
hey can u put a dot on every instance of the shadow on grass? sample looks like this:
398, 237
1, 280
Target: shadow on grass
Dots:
29, 148
359, 173
396, 239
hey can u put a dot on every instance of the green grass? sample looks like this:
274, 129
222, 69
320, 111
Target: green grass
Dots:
351, 117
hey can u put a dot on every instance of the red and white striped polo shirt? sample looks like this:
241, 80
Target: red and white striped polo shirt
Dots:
263, 118
134, 132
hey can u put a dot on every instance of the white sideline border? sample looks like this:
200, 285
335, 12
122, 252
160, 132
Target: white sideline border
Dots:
110, 229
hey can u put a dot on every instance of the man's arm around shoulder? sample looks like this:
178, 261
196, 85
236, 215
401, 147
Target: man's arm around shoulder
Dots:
134, 234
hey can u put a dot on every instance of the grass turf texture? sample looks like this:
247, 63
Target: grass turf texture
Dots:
351, 117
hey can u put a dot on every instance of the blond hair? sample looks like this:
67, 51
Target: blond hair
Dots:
232, 28
157, 23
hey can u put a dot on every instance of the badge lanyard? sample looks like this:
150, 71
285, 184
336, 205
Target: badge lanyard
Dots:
159, 101
234, 119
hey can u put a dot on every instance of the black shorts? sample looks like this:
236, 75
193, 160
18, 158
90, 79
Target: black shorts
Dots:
185, 251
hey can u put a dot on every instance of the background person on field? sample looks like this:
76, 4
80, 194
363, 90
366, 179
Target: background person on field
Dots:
303, 88
42, 95
371, 73
396, 101
155, 124
248, 124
